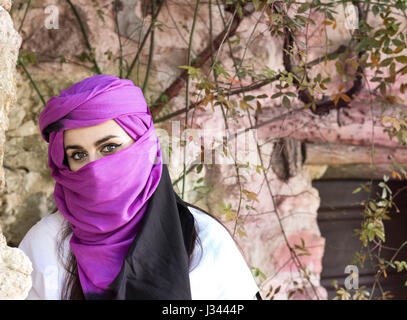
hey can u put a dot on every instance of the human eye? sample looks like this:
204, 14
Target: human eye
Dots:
110, 146
74, 154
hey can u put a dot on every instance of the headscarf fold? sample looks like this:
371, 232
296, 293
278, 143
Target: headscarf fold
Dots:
105, 200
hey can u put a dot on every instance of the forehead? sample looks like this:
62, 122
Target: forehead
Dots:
90, 134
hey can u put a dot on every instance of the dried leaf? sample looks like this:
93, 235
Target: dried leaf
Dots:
374, 60
345, 97
250, 195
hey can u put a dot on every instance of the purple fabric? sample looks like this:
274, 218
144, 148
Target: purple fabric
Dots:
104, 200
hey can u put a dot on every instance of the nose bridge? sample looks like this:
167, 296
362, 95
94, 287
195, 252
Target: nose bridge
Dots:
94, 155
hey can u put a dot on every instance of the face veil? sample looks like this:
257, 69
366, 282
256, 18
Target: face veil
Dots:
105, 200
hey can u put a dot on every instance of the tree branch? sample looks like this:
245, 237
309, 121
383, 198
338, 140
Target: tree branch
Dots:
85, 36
153, 18
174, 89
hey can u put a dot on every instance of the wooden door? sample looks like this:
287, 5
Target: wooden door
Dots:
339, 214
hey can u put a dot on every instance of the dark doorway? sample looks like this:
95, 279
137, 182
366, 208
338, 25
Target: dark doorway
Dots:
339, 214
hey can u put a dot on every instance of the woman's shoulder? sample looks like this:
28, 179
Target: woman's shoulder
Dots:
40, 242
40, 245
204, 221
211, 232
54, 221
47, 227
219, 269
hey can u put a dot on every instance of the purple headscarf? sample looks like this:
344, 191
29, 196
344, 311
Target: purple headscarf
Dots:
105, 200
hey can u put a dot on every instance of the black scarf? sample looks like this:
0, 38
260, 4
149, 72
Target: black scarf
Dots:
156, 266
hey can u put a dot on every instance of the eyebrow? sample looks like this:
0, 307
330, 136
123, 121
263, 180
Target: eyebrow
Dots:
100, 141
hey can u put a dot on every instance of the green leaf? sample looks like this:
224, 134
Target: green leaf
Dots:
380, 234
386, 62
83, 56
164, 98
304, 7
372, 205
239, 10
286, 102
248, 98
291, 94
244, 105
262, 96
375, 10
302, 44
387, 50
256, 4
100, 14
258, 104
277, 95
362, 45
221, 204
201, 187
397, 42
306, 19
378, 33
328, 13
27, 57
356, 190
339, 67
402, 59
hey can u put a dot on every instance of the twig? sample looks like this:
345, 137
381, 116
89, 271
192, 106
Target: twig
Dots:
388, 263
150, 56
252, 87
187, 89
293, 254
153, 18
116, 8
174, 89
85, 36
19, 62
25, 13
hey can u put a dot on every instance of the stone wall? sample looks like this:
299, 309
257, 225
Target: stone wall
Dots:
268, 214
15, 267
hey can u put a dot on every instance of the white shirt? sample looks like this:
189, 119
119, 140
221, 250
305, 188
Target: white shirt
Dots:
221, 274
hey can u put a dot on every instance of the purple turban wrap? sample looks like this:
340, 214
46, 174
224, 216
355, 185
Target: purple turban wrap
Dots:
105, 200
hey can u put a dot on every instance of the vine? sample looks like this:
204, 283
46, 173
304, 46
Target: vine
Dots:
374, 54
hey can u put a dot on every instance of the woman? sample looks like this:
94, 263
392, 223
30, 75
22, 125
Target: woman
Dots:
130, 235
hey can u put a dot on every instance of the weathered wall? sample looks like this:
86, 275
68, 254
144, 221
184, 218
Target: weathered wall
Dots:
28, 194
15, 267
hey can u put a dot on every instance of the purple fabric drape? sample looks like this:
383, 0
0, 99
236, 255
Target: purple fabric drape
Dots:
105, 200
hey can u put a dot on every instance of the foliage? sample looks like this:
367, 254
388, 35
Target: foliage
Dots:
375, 53
372, 236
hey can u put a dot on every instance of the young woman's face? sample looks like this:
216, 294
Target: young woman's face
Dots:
87, 144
